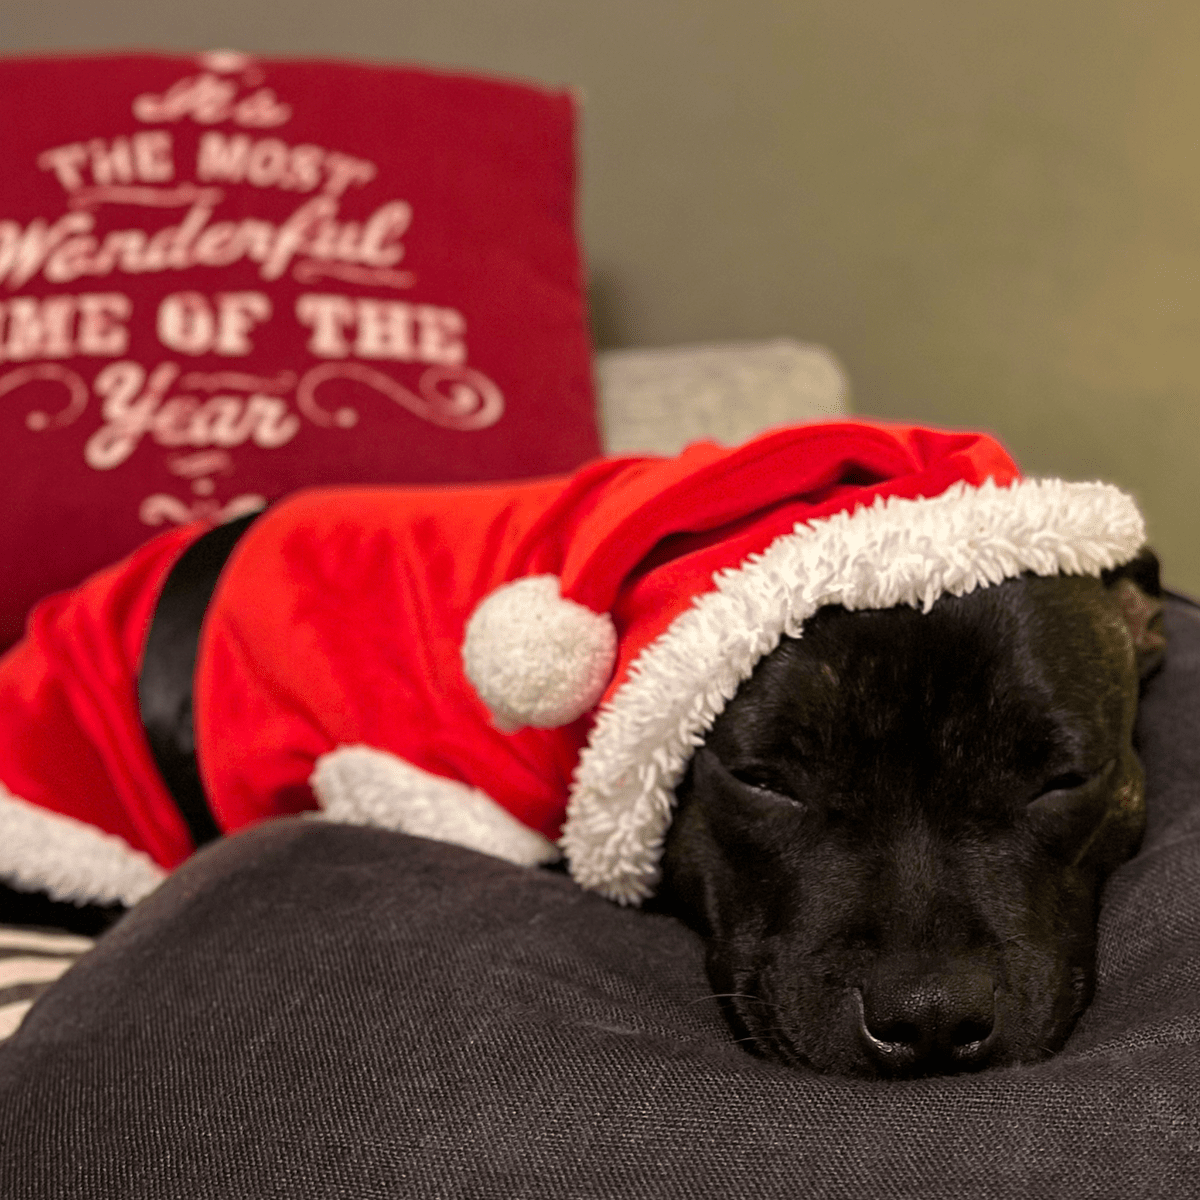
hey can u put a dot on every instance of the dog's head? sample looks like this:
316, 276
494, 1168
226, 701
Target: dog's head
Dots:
895, 835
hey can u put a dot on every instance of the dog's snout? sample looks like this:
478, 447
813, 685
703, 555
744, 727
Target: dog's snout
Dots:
914, 1022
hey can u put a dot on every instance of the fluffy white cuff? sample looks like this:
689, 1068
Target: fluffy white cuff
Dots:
358, 785
70, 860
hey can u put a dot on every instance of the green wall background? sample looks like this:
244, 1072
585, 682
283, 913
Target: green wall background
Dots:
990, 212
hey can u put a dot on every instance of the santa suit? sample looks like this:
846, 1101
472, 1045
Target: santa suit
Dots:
339, 620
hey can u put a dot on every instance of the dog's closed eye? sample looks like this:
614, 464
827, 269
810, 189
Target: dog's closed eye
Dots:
760, 785
764, 782
1063, 783
1062, 787
1071, 810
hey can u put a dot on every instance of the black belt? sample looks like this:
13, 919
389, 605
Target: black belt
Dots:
168, 667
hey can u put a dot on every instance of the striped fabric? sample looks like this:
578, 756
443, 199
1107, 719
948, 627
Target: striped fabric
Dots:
30, 961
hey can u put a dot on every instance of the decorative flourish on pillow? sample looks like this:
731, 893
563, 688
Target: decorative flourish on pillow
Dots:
472, 400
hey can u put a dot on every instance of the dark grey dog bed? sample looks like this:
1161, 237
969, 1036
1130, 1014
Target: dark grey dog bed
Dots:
317, 1011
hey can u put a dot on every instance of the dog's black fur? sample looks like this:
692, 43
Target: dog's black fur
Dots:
895, 835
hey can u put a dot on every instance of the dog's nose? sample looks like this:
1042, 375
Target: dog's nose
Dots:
928, 1021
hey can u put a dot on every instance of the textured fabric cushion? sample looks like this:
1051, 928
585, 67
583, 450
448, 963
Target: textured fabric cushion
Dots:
319, 1011
225, 278
658, 400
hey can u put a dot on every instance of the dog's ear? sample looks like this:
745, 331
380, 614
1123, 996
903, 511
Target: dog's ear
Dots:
1138, 592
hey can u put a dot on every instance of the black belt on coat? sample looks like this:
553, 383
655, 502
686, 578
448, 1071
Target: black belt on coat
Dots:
165, 682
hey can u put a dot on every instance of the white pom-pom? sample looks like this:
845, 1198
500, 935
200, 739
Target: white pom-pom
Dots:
536, 658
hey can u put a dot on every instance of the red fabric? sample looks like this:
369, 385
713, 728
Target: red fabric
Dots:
830, 468
339, 619
225, 278
71, 740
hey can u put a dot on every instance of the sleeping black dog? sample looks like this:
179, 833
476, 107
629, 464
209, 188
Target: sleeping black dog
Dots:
896, 835
891, 820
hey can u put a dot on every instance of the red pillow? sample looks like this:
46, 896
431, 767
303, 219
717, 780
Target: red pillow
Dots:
222, 278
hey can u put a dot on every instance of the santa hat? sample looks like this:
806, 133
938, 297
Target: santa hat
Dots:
677, 576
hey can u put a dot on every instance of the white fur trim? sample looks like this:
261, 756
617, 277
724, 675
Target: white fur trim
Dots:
69, 859
536, 658
897, 551
359, 785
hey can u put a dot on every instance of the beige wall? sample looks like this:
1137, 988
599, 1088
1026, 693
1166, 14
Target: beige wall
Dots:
991, 212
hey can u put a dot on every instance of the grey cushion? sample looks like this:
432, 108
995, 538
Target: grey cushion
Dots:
320, 1011
660, 400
